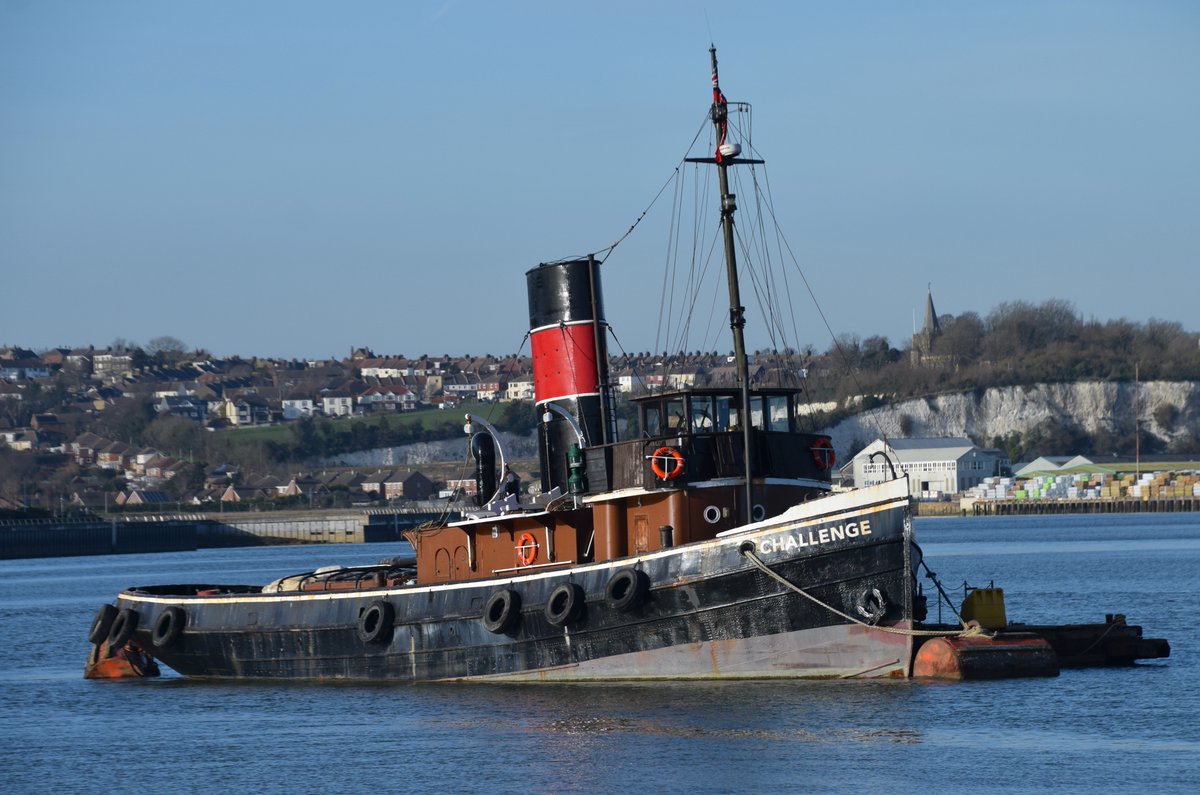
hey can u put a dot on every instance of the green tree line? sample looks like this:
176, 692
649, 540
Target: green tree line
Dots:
1016, 343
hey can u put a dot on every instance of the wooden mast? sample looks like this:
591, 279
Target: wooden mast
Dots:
737, 312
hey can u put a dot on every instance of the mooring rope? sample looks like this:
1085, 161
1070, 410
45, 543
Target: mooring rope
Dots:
1118, 621
966, 631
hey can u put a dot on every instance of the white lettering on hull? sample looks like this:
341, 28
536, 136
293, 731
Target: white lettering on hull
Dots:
791, 542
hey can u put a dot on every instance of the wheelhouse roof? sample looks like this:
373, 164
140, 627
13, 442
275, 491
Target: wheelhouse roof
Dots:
707, 391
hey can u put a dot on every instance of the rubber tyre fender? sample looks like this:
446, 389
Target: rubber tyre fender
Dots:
626, 589
375, 622
101, 624
502, 611
168, 627
871, 605
123, 627
564, 604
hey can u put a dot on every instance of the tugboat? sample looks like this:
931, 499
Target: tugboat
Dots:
710, 545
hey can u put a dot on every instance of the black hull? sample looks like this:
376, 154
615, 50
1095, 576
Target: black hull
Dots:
707, 613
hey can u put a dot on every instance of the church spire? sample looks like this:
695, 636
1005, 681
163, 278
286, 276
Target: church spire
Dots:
922, 342
931, 319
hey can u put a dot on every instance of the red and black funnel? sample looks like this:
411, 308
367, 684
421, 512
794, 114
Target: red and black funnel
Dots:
570, 360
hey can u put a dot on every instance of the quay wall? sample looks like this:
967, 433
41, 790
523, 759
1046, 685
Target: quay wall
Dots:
1059, 506
183, 532
1026, 507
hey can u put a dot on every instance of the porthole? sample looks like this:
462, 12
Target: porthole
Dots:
712, 514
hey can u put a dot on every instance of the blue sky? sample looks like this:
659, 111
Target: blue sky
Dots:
296, 178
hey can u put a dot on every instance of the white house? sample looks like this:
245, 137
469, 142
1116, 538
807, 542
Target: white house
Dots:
385, 368
935, 467
337, 403
298, 405
519, 389
387, 397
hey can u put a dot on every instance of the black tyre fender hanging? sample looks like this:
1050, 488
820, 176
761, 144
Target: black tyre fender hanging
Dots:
502, 611
375, 622
122, 628
101, 624
168, 627
565, 604
626, 589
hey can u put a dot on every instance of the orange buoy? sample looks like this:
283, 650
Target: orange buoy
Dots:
1005, 656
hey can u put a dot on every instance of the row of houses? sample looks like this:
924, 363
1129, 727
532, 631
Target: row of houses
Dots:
143, 465
481, 378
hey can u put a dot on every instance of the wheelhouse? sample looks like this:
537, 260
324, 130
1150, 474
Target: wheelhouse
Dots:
700, 411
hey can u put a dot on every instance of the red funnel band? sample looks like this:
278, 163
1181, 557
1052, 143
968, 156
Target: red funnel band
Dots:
564, 361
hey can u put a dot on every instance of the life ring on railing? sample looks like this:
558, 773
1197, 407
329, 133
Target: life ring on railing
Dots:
823, 454
663, 455
527, 549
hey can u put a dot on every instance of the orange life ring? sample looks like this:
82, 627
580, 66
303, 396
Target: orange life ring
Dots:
667, 454
823, 455
527, 549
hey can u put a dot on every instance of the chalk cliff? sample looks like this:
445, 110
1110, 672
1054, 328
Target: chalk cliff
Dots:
987, 413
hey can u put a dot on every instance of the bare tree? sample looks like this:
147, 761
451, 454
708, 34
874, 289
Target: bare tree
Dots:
165, 345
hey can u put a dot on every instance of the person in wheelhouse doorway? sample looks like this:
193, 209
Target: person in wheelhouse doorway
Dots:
512, 483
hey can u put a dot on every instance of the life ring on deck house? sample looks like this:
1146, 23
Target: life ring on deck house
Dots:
823, 455
667, 456
527, 549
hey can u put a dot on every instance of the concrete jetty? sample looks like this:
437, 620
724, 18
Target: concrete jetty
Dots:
173, 532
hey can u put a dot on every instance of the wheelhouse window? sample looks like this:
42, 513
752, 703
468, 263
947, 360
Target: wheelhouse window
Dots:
726, 412
708, 412
652, 422
756, 412
704, 416
771, 412
675, 415
778, 416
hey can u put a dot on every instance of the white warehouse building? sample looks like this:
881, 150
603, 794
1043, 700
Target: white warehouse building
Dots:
935, 467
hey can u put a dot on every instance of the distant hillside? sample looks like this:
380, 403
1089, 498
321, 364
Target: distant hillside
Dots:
1016, 343
1094, 417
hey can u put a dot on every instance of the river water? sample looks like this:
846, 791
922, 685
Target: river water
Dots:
1097, 730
